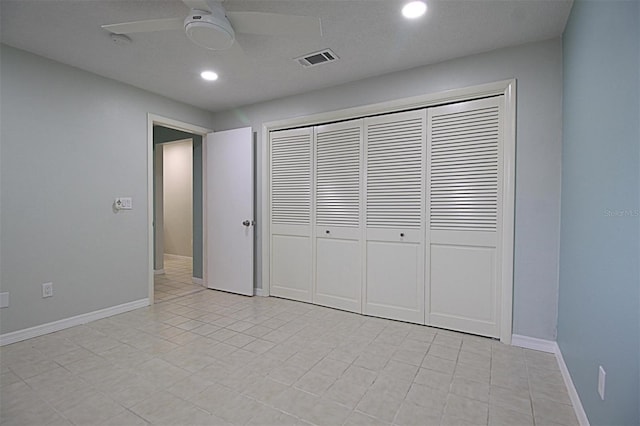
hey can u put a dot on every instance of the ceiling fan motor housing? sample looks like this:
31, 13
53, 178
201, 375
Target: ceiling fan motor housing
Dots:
212, 31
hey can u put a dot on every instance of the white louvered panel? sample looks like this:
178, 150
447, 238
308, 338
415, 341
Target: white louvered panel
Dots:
394, 166
291, 177
338, 174
464, 157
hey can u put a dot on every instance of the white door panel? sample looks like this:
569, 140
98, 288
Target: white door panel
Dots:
463, 288
395, 282
291, 267
229, 204
338, 274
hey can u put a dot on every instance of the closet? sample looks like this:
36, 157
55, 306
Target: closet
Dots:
396, 215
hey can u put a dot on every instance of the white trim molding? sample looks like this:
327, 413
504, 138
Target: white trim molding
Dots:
158, 271
198, 281
534, 343
51, 327
552, 347
259, 292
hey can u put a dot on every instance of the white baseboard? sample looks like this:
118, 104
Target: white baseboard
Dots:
158, 271
573, 393
552, 347
40, 330
198, 281
534, 343
259, 292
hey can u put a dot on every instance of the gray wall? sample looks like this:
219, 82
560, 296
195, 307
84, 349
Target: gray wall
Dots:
599, 305
538, 69
71, 142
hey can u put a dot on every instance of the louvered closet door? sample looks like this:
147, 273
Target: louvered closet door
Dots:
290, 181
394, 166
465, 148
338, 249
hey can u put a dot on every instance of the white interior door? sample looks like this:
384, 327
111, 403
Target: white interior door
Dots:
230, 212
465, 148
290, 180
394, 167
338, 242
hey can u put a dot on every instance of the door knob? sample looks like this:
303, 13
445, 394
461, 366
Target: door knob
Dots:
247, 223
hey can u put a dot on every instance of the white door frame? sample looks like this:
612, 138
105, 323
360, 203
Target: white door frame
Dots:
505, 87
185, 127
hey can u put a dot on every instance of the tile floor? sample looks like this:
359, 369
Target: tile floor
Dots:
177, 279
213, 358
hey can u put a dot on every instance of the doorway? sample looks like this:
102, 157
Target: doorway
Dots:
176, 220
175, 254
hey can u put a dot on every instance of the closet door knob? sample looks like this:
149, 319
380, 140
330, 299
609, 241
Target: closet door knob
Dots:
402, 234
327, 232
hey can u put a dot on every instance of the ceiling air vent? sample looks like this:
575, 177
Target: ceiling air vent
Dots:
317, 58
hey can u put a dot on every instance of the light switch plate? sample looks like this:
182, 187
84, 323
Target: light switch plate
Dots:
602, 375
123, 203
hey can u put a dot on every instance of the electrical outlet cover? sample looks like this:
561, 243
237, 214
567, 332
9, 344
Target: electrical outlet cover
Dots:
602, 375
47, 289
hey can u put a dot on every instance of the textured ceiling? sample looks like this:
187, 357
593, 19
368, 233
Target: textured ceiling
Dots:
369, 36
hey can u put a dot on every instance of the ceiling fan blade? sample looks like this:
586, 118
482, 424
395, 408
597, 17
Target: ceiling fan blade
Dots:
146, 26
203, 5
275, 24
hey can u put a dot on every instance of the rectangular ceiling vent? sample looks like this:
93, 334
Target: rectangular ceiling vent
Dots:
317, 58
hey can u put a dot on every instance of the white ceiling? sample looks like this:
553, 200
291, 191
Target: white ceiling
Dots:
370, 36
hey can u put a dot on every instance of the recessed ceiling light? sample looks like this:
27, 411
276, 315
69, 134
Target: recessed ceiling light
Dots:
415, 9
209, 75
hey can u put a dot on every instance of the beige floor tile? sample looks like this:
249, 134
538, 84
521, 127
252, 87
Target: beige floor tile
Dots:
287, 374
467, 409
326, 412
471, 372
438, 364
347, 392
360, 419
378, 404
315, 383
545, 411
295, 402
409, 356
411, 414
470, 389
269, 416
330, 367
93, 410
427, 397
127, 418
446, 352
433, 379
510, 399
399, 371
499, 416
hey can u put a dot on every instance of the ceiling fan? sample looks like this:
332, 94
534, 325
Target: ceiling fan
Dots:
210, 26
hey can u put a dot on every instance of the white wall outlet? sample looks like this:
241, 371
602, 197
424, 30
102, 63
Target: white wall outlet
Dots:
4, 300
47, 289
602, 375
123, 203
